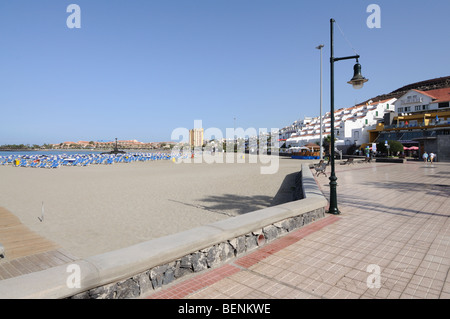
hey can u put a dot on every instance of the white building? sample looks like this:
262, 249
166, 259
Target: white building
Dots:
415, 101
351, 125
292, 130
354, 126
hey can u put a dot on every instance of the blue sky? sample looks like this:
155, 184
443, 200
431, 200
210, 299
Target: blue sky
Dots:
140, 69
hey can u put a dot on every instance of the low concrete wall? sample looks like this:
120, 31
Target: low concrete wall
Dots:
139, 269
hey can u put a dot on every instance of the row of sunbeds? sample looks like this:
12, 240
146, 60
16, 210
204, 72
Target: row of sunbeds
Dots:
55, 161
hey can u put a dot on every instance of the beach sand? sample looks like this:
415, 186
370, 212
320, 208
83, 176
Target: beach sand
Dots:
99, 208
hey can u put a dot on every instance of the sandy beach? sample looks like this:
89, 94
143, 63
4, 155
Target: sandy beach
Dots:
99, 208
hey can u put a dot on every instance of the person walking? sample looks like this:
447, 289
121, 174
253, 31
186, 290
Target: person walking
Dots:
432, 156
425, 157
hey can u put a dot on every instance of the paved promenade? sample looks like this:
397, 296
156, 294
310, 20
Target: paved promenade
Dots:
391, 241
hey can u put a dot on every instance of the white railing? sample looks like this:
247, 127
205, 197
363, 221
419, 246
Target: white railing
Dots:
412, 100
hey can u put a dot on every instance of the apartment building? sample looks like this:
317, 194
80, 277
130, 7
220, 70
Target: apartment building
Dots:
351, 125
196, 137
421, 118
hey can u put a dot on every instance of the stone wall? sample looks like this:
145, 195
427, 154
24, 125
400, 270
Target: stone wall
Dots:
198, 261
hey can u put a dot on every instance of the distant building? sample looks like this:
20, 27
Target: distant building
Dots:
351, 125
130, 144
196, 137
103, 144
289, 131
422, 119
417, 114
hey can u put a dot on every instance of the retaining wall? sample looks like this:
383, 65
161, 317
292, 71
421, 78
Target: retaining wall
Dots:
135, 271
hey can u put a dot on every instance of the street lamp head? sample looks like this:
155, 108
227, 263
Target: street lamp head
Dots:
358, 80
320, 47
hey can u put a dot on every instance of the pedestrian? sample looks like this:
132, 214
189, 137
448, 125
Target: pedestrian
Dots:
425, 157
432, 156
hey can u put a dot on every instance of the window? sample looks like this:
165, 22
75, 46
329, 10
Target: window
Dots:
418, 107
424, 107
444, 104
376, 113
400, 109
387, 106
367, 121
408, 108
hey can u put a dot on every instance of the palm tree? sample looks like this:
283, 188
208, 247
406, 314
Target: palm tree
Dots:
327, 143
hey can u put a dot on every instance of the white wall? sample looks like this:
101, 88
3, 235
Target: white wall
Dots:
415, 99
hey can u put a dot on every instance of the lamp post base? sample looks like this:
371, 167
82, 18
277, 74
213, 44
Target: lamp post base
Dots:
333, 209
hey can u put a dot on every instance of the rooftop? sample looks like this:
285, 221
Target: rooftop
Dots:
438, 95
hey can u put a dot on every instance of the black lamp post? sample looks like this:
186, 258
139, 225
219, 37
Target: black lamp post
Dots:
357, 81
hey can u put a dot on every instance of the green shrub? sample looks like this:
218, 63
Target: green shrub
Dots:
394, 147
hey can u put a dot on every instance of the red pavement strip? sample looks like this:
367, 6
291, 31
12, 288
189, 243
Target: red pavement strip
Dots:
198, 282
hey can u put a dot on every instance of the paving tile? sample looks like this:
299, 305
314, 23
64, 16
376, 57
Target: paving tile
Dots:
338, 293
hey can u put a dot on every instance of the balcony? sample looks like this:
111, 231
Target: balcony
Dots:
411, 101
